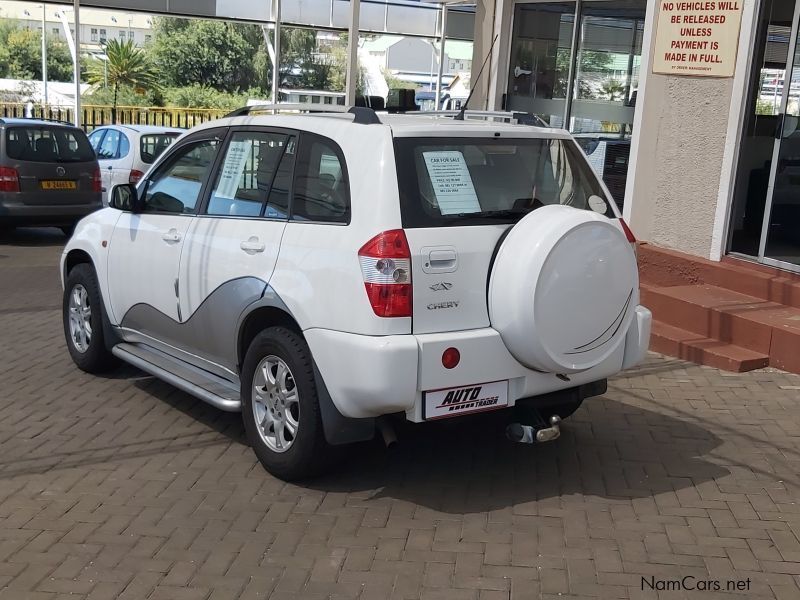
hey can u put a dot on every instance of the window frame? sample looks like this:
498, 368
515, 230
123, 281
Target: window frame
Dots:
168, 158
202, 211
305, 139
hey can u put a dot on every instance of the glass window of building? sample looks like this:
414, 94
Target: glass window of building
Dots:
585, 79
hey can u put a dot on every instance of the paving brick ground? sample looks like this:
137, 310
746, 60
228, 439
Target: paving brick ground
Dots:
122, 487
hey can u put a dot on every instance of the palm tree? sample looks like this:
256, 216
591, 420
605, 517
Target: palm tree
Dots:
125, 64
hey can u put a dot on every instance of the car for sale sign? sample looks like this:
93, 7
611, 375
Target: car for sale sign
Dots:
699, 37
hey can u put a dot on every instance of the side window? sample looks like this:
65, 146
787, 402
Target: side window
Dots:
321, 189
95, 138
108, 148
124, 146
175, 186
246, 175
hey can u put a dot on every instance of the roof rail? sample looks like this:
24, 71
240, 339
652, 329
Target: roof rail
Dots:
362, 115
523, 118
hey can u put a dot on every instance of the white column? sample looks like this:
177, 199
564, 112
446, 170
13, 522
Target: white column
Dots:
44, 59
442, 39
352, 53
276, 59
77, 63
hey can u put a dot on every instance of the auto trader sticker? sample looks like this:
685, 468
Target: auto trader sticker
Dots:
451, 182
464, 400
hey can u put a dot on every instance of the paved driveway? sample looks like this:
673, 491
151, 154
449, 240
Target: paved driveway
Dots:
122, 487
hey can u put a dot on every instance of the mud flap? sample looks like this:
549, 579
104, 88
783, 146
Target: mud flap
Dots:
338, 428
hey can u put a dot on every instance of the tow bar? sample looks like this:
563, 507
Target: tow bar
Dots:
537, 433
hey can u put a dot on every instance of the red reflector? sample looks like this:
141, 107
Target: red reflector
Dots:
97, 181
450, 358
9, 180
627, 230
390, 299
135, 176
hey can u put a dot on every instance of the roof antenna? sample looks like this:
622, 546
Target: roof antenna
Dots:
460, 115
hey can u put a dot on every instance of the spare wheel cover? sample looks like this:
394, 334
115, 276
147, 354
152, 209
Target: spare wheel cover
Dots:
563, 289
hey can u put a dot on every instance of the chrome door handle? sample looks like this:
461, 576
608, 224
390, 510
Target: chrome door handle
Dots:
171, 236
252, 245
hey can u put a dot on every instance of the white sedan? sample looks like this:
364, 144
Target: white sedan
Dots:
125, 152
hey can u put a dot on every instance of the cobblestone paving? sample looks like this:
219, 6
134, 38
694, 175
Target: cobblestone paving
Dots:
123, 487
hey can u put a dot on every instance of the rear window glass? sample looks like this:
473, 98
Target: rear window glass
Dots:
48, 144
152, 145
467, 181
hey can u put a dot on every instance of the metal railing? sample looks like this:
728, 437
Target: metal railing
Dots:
93, 116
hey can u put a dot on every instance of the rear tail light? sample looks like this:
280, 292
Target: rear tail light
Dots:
627, 230
386, 267
135, 176
9, 180
97, 181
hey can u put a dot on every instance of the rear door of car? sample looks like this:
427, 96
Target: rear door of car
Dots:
232, 244
458, 195
55, 164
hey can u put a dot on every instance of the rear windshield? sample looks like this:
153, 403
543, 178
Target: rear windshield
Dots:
152, 145
471, 181
48, 144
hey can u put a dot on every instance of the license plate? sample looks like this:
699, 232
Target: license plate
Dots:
59, 185
464, 400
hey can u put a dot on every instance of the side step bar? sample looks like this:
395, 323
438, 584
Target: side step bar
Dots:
201, 384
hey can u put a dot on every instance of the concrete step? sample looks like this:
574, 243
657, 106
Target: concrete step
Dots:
712, 312
691, 346
662, 267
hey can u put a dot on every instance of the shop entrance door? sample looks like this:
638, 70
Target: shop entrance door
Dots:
765, 216
780, 234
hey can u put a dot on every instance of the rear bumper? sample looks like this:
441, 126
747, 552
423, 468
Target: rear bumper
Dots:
369, 376
12, 210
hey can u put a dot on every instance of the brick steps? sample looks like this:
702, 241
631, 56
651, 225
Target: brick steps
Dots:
662, 267
703, 350
727, 315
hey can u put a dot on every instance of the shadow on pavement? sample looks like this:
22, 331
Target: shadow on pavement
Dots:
607, 449
32, 236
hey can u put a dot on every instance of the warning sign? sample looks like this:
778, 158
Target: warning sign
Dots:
698, 38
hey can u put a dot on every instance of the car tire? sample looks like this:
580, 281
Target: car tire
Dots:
83, 314
280, 406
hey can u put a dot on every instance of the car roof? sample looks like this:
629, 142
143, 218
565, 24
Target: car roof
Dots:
402, 125
143, 128
37, 122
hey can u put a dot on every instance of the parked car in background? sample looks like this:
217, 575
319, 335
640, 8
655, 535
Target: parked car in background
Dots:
48, 174
126, 152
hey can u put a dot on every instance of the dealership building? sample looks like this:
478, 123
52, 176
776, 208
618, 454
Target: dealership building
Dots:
688, 109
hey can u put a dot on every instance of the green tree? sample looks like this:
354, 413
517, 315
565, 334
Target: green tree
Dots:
215, 54
126, 65
21, 54
305, 65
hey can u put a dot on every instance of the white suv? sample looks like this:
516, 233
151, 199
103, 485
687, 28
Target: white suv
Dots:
323, 272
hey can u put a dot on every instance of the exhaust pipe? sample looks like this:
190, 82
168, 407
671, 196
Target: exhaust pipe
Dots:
529, 434
387, 431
